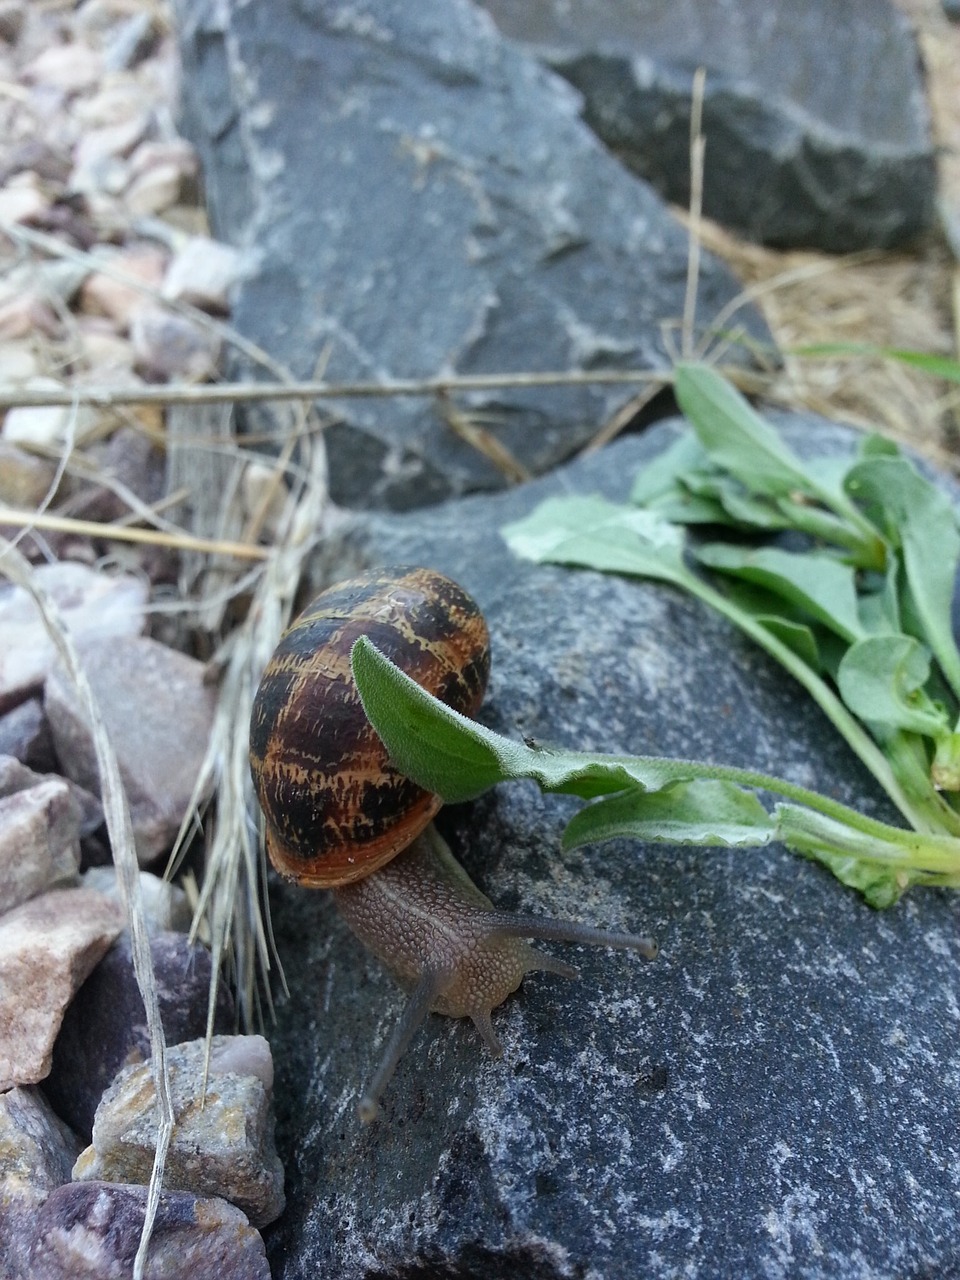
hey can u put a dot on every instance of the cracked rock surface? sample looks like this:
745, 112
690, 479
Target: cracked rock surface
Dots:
804, 147
425, 199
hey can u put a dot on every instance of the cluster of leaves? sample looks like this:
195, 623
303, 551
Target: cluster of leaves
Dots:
841, 568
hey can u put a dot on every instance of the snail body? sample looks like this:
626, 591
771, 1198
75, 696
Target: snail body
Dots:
339, 815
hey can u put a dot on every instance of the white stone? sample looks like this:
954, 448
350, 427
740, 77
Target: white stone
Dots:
203, 272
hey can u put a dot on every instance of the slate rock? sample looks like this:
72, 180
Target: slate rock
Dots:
37, 1152
91, 1230
90, 603
425, 199
105, 1026
159, 748
48, 946
775, 1095
815, 116
39, 841
222, 1144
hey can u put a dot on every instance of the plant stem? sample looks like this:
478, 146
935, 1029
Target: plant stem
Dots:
920, 815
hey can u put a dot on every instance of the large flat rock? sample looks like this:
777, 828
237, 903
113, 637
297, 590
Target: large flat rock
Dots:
814, 112
776, 1095
423, 199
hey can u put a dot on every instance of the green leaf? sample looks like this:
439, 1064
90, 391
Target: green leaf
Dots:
944, 367
598, 534
458, 759
880, 885
817, 583
945, 770
659, 477
437, 747
916, 517
735, 435
702, 812
881, 680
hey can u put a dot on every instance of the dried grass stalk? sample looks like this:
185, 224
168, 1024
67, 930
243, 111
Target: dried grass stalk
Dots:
117, 816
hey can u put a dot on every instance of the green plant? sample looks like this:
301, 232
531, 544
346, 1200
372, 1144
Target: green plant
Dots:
859, 614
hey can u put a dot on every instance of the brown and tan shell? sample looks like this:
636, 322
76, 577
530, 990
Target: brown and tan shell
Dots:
335, 809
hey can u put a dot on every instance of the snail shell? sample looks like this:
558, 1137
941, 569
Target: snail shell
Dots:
335, 808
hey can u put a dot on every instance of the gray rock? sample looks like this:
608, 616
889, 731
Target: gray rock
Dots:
774, 1096
222, 1144
48, 947
166, 907
815, 116
159, 749
90, 1230
39, 841
25, 735
105, 1026
37, 1152
425, 199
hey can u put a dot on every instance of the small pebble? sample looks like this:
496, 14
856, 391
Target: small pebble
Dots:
91, 1231
68, 67
18, 362
25, 479
105, 1027
159, 750
28, 315
45, 426
90, 603
48, 947
25, 736
202, 273
39, 841
166, 908
37, 1152
104, 295
23, 201
223, 1147
172, 348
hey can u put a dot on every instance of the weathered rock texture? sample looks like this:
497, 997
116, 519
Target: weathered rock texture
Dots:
37, 1152
91, 604
159, 749
105, 1026
222, 1143
48, 946
426, 200
815, 116
92, 1230
39, 841
776, 1095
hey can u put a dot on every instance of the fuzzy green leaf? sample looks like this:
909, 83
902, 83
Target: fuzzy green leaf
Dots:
701, 812
881, 680
916, 517
597, 534
735, 435
817, 583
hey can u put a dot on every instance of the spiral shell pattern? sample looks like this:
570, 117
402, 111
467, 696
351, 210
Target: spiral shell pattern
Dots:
335, 808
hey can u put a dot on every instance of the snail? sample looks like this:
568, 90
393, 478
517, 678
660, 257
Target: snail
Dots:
339, 815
